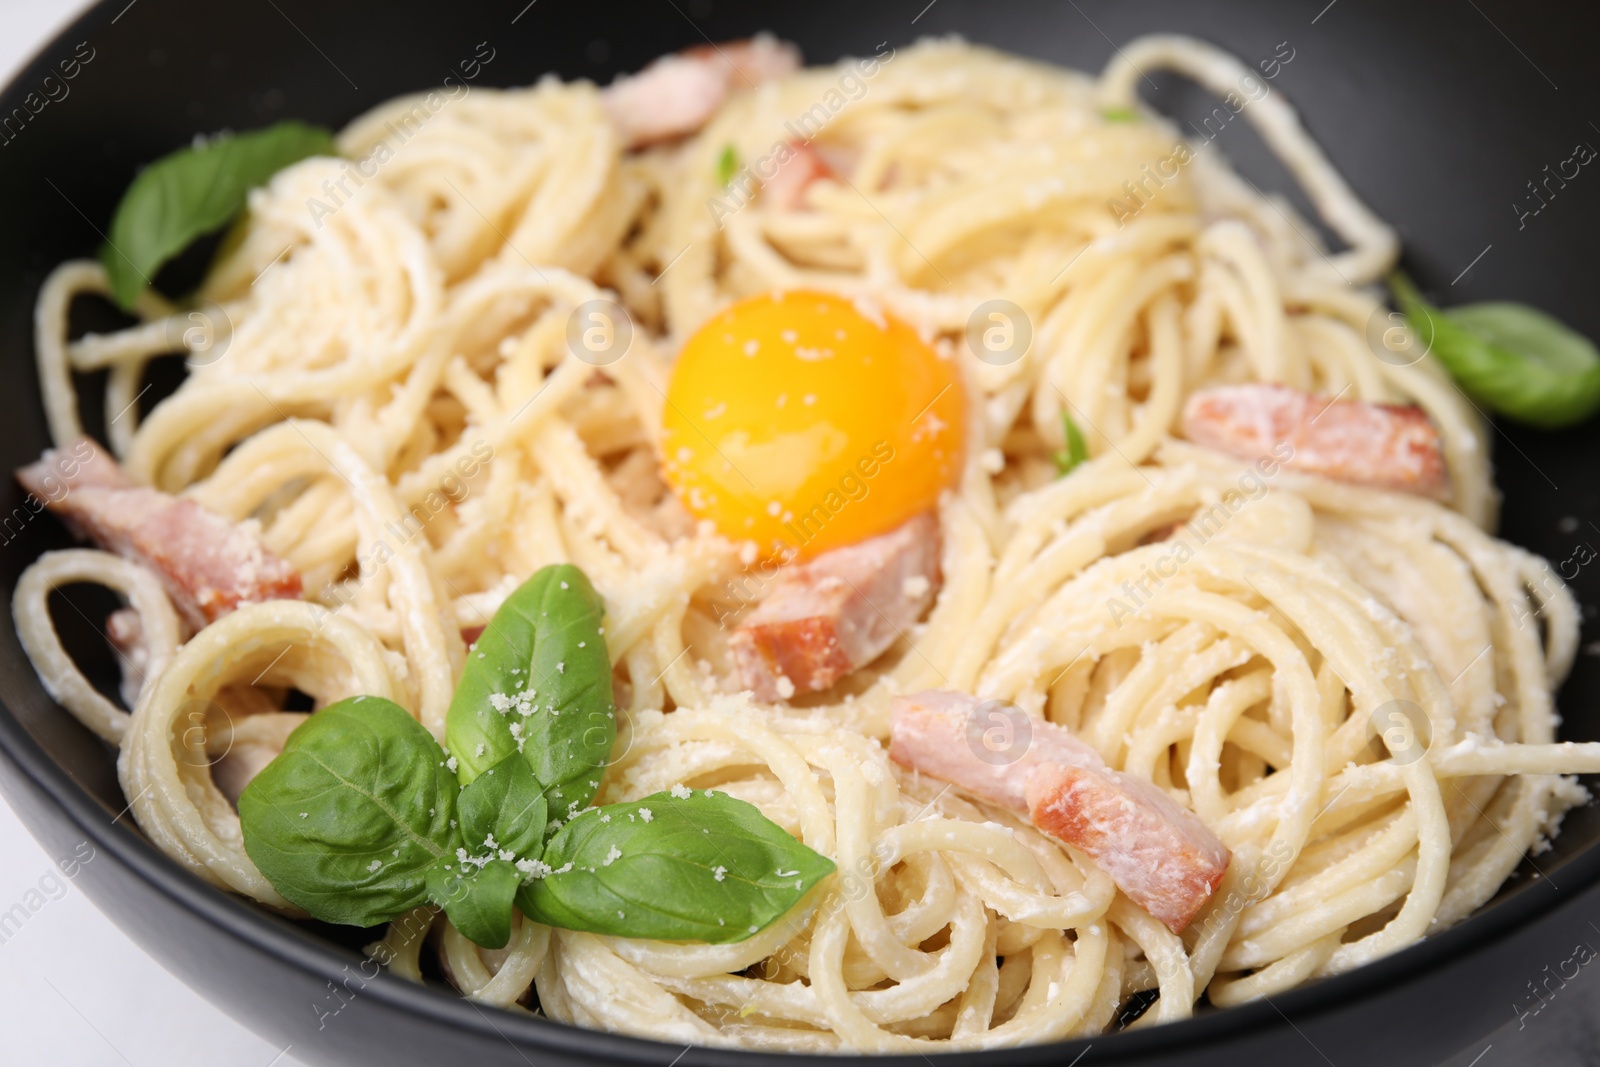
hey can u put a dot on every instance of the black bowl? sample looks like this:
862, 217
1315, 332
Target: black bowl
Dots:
1440, 117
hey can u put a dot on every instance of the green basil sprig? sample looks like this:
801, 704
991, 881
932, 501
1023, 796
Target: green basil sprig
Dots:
360, 819
1511, 358
192, 192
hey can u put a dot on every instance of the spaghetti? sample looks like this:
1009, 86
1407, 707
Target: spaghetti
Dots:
399, 409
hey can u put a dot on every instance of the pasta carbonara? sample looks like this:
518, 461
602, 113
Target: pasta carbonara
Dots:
1349, 686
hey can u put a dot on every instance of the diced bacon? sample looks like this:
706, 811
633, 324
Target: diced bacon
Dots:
1158, 853
209, 564
842, 610
786, 189
677, 94
1382, 445
671, 97
941, 733
125, 631
100, 470
750, 61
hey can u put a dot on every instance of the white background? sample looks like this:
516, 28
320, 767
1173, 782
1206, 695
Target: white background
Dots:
75, 992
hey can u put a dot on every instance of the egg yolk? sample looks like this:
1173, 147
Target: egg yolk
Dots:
804, 421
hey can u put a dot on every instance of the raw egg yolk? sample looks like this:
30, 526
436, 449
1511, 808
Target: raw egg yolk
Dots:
804, 421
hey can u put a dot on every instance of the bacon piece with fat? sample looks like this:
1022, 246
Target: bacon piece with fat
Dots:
125, 631
1382, 445
940, 733
748, 61
840, 611
1158, 853
786, 189
677, 94
210, 565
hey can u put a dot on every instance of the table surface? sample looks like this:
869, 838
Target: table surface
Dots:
78, 993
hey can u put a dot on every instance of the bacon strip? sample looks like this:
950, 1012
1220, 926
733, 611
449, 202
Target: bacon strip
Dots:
1158, 853
677, 94
209, 564
826, 618
786, 189
748, 61
1383, 445
125, 631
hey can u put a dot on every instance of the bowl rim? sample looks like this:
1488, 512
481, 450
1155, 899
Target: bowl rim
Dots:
281, 938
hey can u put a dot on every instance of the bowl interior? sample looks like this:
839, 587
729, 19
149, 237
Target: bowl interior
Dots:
1436, 140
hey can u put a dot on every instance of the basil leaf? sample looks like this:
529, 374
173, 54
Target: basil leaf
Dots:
477, 900
703, 868
503, 810
539, 682
1511, 358
192, 192
1077, 449
348, 819
727, 164
1120, 114
502, 816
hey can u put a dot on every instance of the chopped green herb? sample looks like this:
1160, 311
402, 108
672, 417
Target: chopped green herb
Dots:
727, 164
1120, 114
1077, 449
